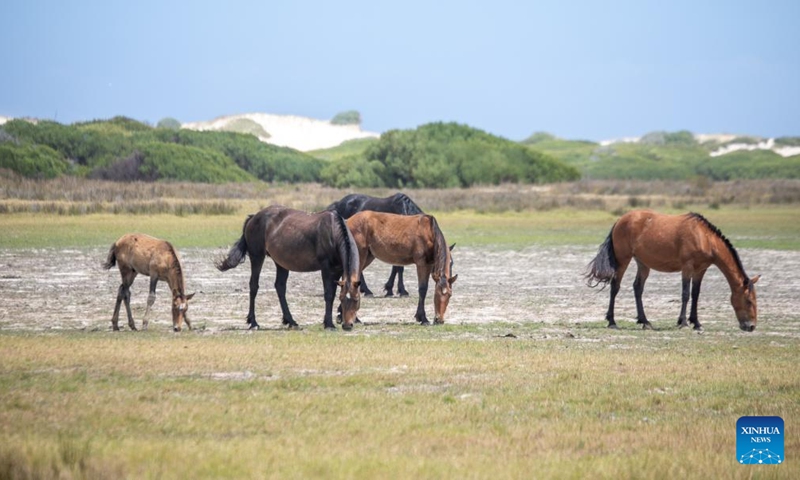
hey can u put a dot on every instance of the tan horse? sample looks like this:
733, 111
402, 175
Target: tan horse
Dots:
672, 243
403, 240
137, 253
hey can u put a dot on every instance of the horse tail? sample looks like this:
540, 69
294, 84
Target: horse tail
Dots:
237, 253
111, 260
603, 268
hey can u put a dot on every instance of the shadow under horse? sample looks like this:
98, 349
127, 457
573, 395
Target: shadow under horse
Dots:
406, 240
399, 204
687, 243
300, 242
136, 253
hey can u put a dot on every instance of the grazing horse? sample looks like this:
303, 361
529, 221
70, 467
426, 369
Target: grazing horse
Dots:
137, 253
398, 203
403, 240
299, 242
672, 243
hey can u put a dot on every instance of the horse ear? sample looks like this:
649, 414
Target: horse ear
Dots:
754, 279
452, 246
189, 297
453, 279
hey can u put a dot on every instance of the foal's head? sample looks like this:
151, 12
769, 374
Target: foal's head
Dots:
351, 301
180, 305
743, 299
443, 288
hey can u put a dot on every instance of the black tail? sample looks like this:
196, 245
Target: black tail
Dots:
603, 268
112, 257
236, 254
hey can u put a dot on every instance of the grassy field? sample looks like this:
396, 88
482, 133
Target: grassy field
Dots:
404, 402
494, 400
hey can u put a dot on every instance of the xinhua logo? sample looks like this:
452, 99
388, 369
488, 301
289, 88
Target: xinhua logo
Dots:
759, 440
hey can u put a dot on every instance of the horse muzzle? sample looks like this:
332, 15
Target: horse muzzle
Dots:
747, 326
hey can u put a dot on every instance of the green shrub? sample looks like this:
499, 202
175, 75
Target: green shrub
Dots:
184, 163
37, 161
169, 123
246, 125
350, 117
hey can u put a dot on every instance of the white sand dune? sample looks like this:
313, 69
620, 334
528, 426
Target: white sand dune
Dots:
300, 133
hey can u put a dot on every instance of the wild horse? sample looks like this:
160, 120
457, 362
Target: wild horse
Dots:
137, 253
299, 242
672, 243
400, 204
403, 240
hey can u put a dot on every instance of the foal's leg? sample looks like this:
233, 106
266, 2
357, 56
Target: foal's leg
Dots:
115, 317
423, 274
151, 299
281, 275
615, 284
642, 273
256, 263
401, 289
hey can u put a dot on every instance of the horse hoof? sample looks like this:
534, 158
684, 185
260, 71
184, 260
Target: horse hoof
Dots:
425, 323
403, 294
389, 294
647, 326
254, 327
613, 326
297, 327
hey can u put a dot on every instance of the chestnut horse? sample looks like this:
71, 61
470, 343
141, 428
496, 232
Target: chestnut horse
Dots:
403, 240
299, 242
399, 203
672, 243
137, 253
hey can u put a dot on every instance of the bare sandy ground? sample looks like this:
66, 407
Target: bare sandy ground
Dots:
43, 289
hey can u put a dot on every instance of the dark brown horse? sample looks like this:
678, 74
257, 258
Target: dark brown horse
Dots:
137, 253
672, 243
399, 203
299, 242
403, 240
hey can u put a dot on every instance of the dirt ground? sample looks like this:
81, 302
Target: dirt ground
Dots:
67, 289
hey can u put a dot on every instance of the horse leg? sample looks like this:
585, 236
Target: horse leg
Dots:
329, 288
638, 287
281, 275
389, 285
401, 288
423, 274
126, 297
364, 288
686, 282
256, 262
115, 317
615, 284
696, 281
151, 299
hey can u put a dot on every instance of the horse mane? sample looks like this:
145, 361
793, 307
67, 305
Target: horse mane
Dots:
439, 250
176, 265
716, 231
408, 207
345, 244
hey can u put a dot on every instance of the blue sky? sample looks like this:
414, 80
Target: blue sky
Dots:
580, 70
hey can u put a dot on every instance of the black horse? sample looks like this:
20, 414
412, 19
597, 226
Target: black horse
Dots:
300, 242
399, 204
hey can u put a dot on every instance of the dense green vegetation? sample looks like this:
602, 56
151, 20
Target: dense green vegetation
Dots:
350, 117
124, 149
440, 155
436, 155
667, 156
